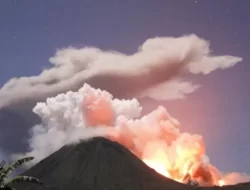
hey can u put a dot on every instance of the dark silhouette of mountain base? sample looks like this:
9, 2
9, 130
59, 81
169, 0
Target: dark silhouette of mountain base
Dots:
101, 164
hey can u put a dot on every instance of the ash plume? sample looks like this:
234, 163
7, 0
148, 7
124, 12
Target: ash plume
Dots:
158, 70
156, 138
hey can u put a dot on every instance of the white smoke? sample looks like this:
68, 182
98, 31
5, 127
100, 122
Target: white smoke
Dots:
235, 177
74, 116
157, 61
174, 89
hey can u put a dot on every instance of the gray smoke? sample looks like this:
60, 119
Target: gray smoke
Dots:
156, 63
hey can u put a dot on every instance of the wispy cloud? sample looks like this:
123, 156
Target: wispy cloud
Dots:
157, 62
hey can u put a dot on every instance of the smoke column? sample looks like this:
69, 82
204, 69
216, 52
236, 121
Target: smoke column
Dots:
155, 138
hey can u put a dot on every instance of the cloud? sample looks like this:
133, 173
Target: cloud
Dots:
207, 65
157, 61
156, 138
174, 89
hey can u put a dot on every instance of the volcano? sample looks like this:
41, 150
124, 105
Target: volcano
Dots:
102, 164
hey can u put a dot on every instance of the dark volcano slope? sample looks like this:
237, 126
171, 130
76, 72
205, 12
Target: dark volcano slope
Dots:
100, 164
97, 164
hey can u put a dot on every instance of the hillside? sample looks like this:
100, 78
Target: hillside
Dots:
101, 164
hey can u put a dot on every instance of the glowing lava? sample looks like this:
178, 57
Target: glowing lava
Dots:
184, 168
157, 166
155, 138
221, 182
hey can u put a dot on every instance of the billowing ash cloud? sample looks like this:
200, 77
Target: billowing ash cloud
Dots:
157, 62
155, 138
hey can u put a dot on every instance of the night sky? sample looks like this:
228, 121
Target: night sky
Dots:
32, 31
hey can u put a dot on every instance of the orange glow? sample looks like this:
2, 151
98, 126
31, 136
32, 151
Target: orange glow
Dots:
184, 170
156, 140
157, 166
98, 112
221, 182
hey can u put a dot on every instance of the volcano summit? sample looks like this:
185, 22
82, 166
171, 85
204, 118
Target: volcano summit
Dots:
102, 164
97, 164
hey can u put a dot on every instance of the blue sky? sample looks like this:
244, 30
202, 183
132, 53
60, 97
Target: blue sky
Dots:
32, 31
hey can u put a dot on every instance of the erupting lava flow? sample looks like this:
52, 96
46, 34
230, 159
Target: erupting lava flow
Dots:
155, 138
